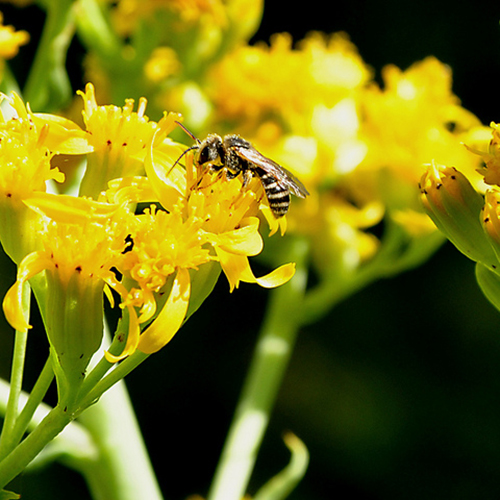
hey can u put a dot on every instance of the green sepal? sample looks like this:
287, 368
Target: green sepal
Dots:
73, 317
203, 282
19, 229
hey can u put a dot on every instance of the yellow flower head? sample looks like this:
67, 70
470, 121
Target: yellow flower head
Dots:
162, 244
491, 158
128, 13
77, 260
11, 40
119, 137
254, 82
225, 211
87, 248
416, 119
25, 157
162, 64
111, 127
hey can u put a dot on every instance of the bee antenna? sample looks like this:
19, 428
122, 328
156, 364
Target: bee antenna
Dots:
180, 157
188, 133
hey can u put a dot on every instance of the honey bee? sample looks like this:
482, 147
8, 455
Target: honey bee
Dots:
236, 156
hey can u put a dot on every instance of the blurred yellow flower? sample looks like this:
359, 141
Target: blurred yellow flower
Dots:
491, 158
127, 14
414, 119
11, 40
255, 83
162, 64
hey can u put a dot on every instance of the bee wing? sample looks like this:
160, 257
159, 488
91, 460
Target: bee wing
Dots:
271, 167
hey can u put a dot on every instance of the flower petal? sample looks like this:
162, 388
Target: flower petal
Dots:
132, 338
169, 183
233, 266
237, 268
12, 305
170, 319
275, 278
64, 136
69, 209
246, 240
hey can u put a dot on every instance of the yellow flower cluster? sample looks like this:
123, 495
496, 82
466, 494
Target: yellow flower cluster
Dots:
129, 13
254, 83
454, 200
189, 219
359, 148
312, 106
315, 108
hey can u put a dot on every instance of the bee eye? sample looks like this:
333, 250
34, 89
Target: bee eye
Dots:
211, 153
204, 155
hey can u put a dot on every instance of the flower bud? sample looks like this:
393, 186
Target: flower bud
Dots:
491, 219
455, 207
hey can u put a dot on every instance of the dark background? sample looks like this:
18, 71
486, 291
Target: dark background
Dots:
396, 391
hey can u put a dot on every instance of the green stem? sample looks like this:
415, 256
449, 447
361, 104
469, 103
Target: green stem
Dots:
118, 373
95, 31
35, 398
123, 470
268, 365
398, 253
16, 461
48, 85
16, 379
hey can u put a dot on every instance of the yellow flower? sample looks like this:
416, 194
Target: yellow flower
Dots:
162, 64
253, 82
88, 247
78, 261
164, 248
163, 243
456, 207
416, 119
119, 137
28, 141
11, 40
128, 13
491, 158
226, 213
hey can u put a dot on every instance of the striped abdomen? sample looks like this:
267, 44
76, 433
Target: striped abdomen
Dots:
278, 194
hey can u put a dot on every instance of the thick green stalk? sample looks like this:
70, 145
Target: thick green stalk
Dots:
268, 365
122, 470
48, 85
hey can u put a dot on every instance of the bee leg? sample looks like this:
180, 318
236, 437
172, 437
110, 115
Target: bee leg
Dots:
230, 175
247, 177
199, 179
211, 169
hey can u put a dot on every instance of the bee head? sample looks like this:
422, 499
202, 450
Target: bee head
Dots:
211, 152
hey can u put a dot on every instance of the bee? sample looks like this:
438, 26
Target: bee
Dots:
235, 155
